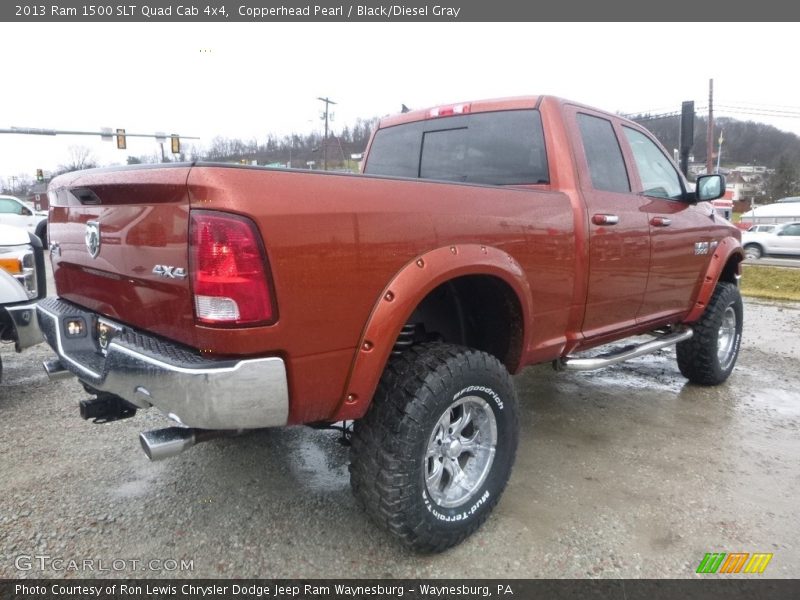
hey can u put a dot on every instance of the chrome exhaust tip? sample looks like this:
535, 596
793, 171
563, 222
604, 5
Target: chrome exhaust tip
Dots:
56, 370
164, 443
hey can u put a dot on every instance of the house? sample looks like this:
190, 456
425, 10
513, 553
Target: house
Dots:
37, 195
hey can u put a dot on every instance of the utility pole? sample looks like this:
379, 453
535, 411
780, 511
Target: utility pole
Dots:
327, 102
710, 131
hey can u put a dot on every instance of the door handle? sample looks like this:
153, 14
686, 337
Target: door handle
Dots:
660, 222
605, 219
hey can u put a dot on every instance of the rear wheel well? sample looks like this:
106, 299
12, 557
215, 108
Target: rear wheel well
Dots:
477, 311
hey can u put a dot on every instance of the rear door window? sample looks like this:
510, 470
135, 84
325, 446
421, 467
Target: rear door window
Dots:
496, 148
603, 154
395, 151
792, 230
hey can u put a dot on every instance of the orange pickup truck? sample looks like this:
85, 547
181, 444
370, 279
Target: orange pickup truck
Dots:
480, 238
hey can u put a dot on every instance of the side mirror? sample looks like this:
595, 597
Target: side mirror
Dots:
25, 211
709, 187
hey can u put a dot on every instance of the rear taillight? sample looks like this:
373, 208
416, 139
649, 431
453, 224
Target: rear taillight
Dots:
230, 277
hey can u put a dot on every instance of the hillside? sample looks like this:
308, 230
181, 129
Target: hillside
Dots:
744, 142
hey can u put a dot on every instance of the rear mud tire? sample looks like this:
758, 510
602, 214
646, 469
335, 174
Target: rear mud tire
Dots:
432, 456
710, 355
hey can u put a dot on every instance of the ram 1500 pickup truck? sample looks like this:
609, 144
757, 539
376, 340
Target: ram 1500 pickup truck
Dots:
480, 238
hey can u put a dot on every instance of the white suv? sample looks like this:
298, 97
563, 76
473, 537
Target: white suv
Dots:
784, 239
14, 211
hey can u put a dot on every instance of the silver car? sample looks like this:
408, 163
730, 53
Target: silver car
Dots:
783, 239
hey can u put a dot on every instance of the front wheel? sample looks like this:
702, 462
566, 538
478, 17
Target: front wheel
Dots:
709, 355
753, 251
433, 454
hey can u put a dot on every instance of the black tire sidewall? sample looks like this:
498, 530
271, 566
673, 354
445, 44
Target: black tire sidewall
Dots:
698, 357
41, 233
501, 398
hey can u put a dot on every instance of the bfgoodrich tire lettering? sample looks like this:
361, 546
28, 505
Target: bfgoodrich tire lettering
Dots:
709, 356
432, 456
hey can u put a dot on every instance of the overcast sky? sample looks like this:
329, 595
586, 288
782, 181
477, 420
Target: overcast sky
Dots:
247, 80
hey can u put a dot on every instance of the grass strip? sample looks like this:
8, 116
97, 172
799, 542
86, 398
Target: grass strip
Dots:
774, 283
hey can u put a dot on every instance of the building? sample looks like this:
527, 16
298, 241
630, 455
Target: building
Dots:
778, 212
37, 195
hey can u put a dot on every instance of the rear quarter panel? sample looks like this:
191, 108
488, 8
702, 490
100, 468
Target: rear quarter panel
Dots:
335, 241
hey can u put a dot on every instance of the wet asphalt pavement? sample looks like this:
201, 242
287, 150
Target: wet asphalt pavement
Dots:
627, 472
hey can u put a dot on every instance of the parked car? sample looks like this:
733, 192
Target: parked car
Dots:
14, 211
783, 239
22, 283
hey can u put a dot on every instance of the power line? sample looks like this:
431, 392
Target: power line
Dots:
653, 117
763, 113
663, 109
761, 105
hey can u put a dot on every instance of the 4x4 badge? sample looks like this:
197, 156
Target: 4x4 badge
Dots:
93, 238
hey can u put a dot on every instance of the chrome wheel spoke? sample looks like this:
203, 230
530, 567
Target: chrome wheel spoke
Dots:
453, 468
472, 445
434, 478
461, 423
435, 445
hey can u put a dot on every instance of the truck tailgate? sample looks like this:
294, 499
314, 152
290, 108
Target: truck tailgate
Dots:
119, 245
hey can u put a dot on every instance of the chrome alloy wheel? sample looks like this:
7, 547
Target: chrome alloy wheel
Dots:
726, 338
460, 451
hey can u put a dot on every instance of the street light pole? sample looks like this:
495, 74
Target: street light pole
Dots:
327, 102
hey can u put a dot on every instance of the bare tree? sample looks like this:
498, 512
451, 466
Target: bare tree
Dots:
80, 157
18, 184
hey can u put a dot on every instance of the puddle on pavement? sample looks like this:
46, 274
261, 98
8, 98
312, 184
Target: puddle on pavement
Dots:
314, 462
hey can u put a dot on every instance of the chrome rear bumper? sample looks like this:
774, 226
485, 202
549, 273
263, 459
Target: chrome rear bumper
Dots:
26, 325
147, 371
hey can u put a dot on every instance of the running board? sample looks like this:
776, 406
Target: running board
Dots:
570, 363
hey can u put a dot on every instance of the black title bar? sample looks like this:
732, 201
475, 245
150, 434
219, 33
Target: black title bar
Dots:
261, 11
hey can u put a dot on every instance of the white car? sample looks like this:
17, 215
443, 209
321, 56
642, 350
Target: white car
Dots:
14, 211
784, 239
22, 284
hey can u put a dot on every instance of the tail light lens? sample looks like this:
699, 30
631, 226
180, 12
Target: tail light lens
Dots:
230, 276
